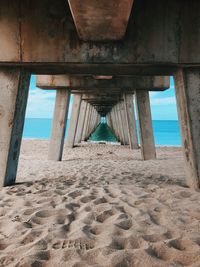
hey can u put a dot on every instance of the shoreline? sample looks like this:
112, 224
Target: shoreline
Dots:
96, 142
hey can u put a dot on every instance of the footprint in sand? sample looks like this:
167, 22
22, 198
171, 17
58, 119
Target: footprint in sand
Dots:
42, 255
153, 238
75, 194
72, 206
46, 216
100, 201
87, 199
30, 237
105, 215
3, 246
81, 243
6, 261
124, 221
167, 252
96, 230
42, 244
77, 244
131, 242
184, 245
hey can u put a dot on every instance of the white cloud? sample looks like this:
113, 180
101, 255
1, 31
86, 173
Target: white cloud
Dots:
163, 101
40, 104
153, 94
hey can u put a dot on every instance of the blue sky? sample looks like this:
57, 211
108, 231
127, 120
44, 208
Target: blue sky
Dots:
41, 103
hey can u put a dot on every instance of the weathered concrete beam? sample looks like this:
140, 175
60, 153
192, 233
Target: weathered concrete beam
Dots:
14, 88
25, 37
102, 99
145, 125
101, 20
98, 69
59, 125
73, 121
187, 84
89, 83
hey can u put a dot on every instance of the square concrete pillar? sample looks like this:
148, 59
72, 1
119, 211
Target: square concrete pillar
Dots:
187, 84
90, 122
14, 87
74, 120
81, 122
119, 121
112, 118
124, 124
59, 125
94, 121
130, 120
109, 121
86, 122
145, 125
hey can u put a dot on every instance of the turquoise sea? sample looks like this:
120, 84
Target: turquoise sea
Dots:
165, 132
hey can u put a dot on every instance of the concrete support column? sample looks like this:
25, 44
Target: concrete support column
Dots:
74, 120
145, 125
109, 121
59, 125
95, 120
86, 122
98, 119
14, 89
81, 122
113, 122
130, 120
119, 122
124, 124
187, 84
90, 129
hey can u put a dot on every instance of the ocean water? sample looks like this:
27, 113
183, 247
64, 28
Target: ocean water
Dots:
165, 132
103, 133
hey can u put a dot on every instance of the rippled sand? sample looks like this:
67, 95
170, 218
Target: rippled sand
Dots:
101, 206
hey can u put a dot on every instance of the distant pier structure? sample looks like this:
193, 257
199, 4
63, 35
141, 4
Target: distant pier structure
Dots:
104, 53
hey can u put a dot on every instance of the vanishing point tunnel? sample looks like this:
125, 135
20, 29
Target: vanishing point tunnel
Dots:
104, 53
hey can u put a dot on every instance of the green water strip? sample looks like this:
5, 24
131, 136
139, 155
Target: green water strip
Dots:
103, 133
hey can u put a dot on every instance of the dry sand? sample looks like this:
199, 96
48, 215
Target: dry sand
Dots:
102, 206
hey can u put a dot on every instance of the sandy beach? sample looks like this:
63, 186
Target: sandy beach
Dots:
102, 206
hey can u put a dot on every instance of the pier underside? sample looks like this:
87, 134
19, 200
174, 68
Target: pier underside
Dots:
107, 52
